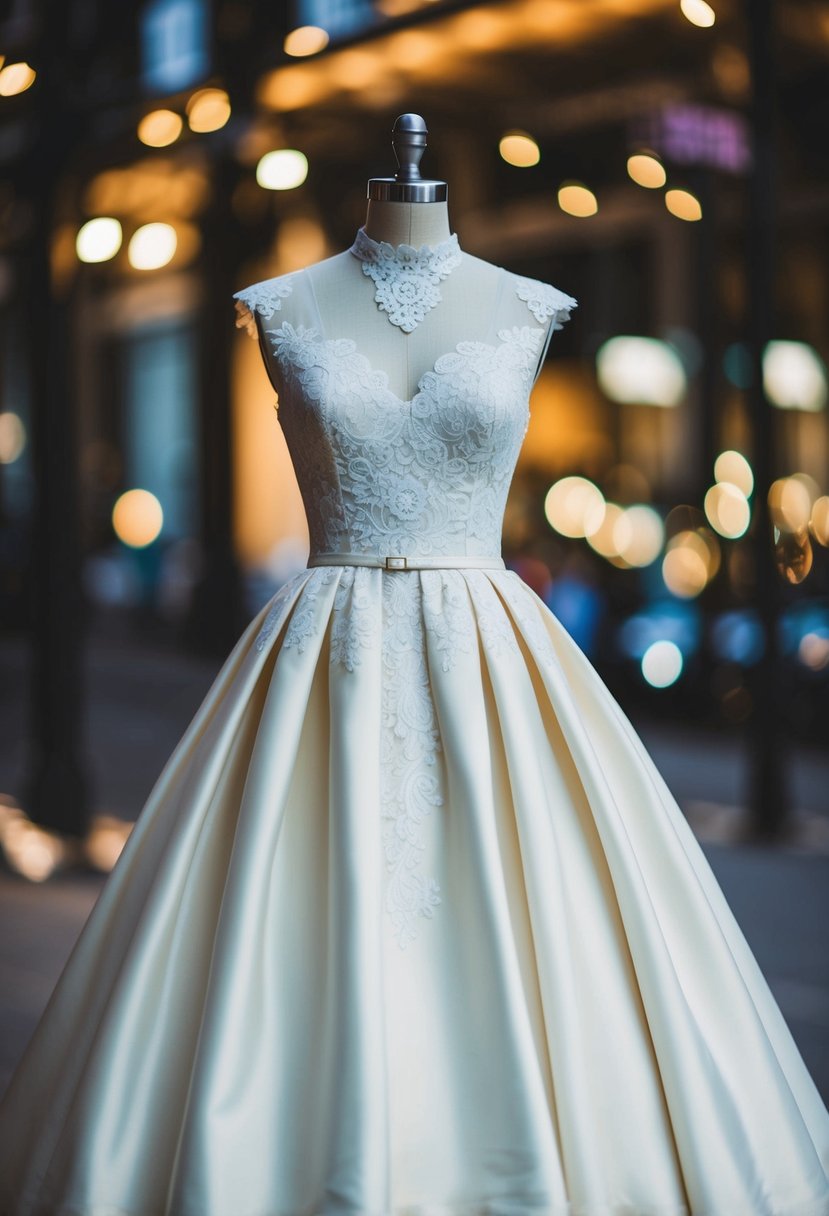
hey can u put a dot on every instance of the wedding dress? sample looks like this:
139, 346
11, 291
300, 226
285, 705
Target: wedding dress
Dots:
410, 924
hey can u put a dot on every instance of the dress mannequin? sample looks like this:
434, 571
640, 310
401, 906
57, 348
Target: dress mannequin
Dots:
476, 299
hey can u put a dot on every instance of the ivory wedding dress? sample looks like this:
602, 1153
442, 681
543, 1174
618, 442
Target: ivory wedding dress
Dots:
410, 925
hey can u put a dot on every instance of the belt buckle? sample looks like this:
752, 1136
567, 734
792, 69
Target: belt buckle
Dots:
396, 563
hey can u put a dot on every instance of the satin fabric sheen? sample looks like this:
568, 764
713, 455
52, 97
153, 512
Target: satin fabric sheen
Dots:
580, 1030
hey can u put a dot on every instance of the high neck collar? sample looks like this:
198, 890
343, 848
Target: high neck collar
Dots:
406, 278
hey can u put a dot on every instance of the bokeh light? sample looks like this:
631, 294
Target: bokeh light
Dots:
305, 40
727, 510
819, 523
698, 12
683, 204
646, 170
283, 169
99, 239
690, 562
152, 246
662, 663
794, 376
16, 78
31, 850
640, 371
137, 518
608, 535
639, 534
732, 466
790, 504
793, 554
160, 128
12, 437
576, 199
574, 506
519, 149
813, 651
208, 110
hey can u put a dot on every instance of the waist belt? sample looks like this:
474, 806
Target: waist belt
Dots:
395, 562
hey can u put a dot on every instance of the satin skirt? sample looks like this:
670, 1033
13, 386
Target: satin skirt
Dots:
410, 925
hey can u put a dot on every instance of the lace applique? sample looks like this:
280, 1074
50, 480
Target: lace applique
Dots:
429, 475
265, 298
520, 599
544, 300
354, 626
406, 279
410, 781
447, 614
302, 625
494, 624
277, 611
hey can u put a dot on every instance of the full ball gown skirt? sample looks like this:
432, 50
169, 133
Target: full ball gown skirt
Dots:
410, 925
311, 986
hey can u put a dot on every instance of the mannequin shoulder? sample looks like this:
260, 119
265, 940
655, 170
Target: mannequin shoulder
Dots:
263, 298
543, 299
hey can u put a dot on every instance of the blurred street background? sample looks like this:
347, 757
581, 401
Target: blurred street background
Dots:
663, 161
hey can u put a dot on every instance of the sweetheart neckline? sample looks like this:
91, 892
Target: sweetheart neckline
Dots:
378, 371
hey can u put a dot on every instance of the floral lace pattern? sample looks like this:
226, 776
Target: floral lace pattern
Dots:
406, 278
383, 475
264, 298
410, 779
354, 625
544, 300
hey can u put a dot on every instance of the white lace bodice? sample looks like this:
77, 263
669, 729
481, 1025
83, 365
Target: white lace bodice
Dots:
383, 475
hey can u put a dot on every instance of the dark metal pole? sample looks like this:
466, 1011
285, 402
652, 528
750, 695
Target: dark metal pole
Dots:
217, 613
55, 793
767, 793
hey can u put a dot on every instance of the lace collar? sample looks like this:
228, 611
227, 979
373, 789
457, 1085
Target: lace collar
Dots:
406, 279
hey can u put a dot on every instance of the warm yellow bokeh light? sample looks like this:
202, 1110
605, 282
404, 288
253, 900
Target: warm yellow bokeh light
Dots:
305, 40
284, 169
604, 534
683, 204
99, 239
574, 506
691, 561
819, 523
790, 504
208, 110
698, 12
727, 510
646, 171
106, 841
137, 518
732, 466
639, 534
31, 850
793, 554
16, 78
576, 199
160, 128
684, 571
152, 246
12, 437
519, 149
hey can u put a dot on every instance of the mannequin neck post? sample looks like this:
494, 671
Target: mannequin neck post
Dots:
408, 223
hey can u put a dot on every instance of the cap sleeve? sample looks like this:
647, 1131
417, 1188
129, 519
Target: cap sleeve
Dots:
545, 301
264, 298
